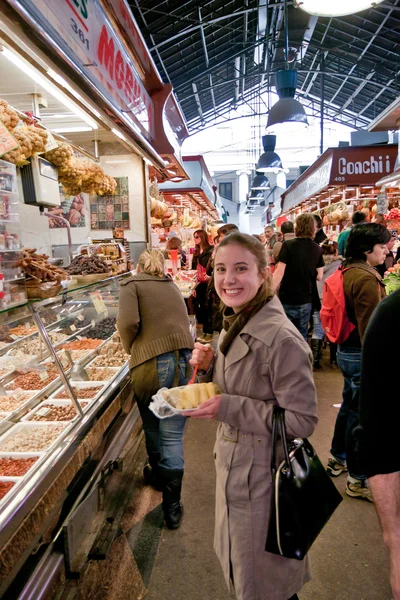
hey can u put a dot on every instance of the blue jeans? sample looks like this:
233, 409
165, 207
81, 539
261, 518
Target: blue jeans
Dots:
300, 315
318, 333
344, 442
165, 436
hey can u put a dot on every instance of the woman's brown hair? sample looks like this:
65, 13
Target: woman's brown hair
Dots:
204, 243
305, 226
174, 243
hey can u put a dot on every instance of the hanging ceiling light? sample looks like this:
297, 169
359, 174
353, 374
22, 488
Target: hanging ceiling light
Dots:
269, 161
260, 182
335, 8
287, 109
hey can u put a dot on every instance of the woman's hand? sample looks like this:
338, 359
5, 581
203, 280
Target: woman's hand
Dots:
202, 356
206, 410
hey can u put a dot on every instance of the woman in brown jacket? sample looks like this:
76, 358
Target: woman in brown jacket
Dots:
154, 327
262, 361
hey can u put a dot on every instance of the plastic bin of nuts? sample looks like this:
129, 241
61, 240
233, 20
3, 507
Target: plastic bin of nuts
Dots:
53, 411
85, 390
31, 437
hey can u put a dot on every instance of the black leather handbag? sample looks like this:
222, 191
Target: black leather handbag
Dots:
303, 495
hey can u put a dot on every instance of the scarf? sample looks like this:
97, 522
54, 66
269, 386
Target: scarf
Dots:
233, 323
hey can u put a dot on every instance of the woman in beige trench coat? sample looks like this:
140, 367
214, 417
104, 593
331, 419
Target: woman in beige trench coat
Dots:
262, 360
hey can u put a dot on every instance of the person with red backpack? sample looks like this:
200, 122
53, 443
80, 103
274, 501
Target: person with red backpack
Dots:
350, 297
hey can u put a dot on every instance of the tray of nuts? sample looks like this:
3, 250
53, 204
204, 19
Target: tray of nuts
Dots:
53, 411
15, 399
101, 373
84, 390
31, 437
33, 379
17, 465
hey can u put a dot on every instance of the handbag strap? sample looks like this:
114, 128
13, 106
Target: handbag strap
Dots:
279, 426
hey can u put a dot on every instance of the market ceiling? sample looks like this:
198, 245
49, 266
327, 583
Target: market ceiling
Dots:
218, 54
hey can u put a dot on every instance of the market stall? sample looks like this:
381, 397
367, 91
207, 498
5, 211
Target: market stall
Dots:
340, 181
82, 126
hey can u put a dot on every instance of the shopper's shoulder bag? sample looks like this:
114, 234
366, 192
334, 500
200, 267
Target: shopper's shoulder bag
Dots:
303, 496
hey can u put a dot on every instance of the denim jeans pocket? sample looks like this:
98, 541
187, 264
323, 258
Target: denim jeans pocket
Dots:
163, 368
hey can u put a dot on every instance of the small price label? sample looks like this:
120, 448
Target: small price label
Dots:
80, 318
58, 317
98, 302
13, 336
43, 375
79, 337
42, 412
18, 393
64, 360
73, 327
93, 322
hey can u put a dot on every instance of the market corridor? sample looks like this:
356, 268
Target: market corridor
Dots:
349, 561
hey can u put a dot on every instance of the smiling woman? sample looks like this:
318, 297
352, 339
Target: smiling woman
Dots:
262, 362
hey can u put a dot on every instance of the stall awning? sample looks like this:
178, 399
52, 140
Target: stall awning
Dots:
199, 189
390, 181
347, 166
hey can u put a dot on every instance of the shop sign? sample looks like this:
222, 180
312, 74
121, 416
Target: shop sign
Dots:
82, 30
311, 185
361, 166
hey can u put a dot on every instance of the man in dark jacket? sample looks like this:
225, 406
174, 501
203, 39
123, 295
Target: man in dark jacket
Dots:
366, 248
378, 433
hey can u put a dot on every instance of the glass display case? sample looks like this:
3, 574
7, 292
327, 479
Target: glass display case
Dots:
60, 359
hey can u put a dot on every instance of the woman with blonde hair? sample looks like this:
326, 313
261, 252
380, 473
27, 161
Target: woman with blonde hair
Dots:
262, 362
156, 334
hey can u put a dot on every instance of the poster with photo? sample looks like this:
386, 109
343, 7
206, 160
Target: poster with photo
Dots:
108, 212
73, 208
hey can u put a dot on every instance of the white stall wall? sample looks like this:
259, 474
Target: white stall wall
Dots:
35, 231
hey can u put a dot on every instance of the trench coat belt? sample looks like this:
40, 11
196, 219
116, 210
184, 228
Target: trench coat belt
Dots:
238, 436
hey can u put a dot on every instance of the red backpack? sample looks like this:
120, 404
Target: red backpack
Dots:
334, 319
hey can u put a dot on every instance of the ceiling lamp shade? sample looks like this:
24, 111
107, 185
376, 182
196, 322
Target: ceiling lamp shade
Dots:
256, 195
260, 182
287, 109
335, 8
269, 161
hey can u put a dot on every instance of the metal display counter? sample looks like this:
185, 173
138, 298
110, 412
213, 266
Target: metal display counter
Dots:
61, 442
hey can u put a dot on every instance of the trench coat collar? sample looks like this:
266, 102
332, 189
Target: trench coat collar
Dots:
263, 326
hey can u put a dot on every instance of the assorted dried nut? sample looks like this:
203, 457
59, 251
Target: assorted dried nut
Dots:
34, 379
53, 412
16, 467
86, 392
83, 344
31, 438
5, 487
13, 401
100, 373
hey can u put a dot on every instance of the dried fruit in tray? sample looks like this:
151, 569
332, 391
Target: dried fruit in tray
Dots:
100, 373
14, 400
5, 487
83, 344
39, 269
16, 467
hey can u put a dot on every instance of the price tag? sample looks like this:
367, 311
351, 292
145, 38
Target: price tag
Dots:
13, 336
51, 142
64, 360
98, 302
42, 412
80, 318
18, 393
73, 327
93, 322
79, 337
58, 317
43, 375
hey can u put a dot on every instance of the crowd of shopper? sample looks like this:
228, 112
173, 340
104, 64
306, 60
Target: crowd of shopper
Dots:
265, 293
